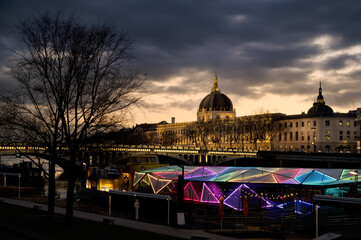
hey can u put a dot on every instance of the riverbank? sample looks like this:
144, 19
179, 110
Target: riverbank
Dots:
27, 220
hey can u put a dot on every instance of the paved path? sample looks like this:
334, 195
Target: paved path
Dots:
160, 229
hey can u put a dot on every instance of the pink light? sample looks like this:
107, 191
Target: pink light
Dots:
193, 193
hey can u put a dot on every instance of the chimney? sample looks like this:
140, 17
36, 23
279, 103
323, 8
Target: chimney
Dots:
173, 119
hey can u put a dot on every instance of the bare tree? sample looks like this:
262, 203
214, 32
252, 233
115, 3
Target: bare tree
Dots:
215, 131
81, 74
262, 127
190, 133
203, 131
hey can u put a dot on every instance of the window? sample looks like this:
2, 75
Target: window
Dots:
327, 122
348, 132
314, 123
279, 137
348, 138
328, 138
340, 123
296, 136
285, 136
280, 125
291, 136
341, 138
308, 138
341, 132
328, 132
348, 123
290, 124
302, 124
285, 125
303, 138
355, 133
308, 124
355, 123
296, 124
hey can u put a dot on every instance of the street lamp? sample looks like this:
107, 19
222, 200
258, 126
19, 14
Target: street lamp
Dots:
355, 173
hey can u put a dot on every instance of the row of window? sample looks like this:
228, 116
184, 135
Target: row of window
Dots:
314, 124
289, 136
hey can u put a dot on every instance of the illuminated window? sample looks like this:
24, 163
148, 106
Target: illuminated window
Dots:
328, 138
308, 124
348, 138
327, 122
328, 132
340, 123
348, 123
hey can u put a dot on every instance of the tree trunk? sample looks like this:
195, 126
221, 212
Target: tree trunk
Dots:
51, 191
70, 198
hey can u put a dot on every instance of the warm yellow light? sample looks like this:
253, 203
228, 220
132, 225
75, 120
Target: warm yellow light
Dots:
354, 172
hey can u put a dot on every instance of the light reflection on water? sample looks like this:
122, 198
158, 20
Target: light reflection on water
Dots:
61, 184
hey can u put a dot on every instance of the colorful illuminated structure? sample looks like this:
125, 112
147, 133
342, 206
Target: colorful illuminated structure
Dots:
265, 187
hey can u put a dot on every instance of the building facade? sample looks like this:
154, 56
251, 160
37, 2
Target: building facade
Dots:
217, 126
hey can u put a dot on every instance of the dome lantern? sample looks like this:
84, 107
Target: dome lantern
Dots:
319, 107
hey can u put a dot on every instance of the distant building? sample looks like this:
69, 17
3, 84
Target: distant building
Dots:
318, 130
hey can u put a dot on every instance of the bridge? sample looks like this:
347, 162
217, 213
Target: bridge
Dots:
102, 154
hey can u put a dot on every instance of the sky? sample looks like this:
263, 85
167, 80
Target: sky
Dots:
268, 55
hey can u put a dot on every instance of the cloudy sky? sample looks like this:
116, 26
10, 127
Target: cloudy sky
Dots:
268, 55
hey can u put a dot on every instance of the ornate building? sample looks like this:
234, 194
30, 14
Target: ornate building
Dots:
318, 130
215, 105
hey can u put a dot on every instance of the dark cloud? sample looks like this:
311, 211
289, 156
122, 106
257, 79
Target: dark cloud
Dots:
340, 62
256, 47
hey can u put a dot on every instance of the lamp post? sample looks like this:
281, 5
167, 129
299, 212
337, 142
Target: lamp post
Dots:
355, 173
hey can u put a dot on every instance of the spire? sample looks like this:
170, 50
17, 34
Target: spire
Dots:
320, 97
215, 85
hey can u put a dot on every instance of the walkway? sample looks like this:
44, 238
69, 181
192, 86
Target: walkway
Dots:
160, 229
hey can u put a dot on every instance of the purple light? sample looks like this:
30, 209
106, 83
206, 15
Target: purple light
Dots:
268, 204
200, 172
208, 196
234, 200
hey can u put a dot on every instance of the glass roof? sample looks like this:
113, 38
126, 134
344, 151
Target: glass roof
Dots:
301, 176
